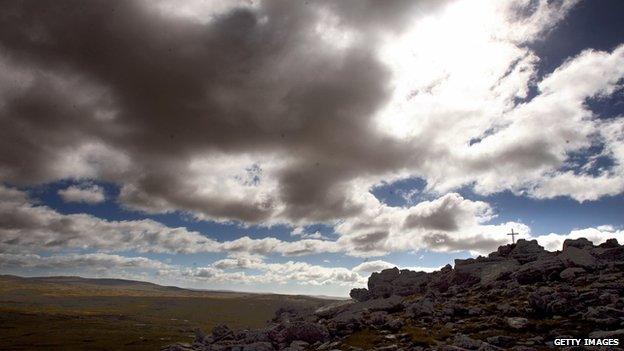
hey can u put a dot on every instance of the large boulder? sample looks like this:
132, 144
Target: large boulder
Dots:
333, 309
360, 294
380, 284
551, 301
395, 282
222, 332
421, 308
526, 251
571, 273
540, 270
580, 243
410, 282
484, 270
305, 331
572, 256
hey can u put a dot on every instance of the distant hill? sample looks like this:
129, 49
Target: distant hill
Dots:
75, 313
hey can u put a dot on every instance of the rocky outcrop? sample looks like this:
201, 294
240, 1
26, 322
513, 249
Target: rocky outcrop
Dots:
520, 297
395, 282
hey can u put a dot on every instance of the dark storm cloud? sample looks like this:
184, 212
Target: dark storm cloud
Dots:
152, 92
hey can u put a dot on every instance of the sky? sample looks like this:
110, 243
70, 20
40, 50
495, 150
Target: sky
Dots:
296, 147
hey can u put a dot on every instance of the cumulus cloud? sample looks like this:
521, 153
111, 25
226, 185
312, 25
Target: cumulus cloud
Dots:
29, 227
290, 113
264, 130
88, 193
598, 235
301, 272
373, 266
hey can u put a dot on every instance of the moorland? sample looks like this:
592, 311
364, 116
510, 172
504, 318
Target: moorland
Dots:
73, 313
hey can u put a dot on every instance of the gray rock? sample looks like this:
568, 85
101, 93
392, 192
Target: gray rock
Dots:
390, 304
378, 318
360, 294
396, 282
387, 348
517, 322
305, 331
526, 251
394, 324
540, 270
580, 243
501, 340
575, 257
466, 342
601, 334
297, 345
548, 301
380, 284
423, 307
258, 346
328, 345
221, 332
333, 309
571, 273
180, 346
484, 270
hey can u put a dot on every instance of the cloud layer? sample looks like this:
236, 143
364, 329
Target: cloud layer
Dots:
264, 113
177, 108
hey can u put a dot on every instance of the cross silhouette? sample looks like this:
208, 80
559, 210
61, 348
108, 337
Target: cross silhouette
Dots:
513, 236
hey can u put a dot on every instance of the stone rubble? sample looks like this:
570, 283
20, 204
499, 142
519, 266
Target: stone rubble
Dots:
520, 297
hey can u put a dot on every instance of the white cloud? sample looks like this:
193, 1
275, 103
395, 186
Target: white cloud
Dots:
437, 98
598, 235
373, 266
448, 223
81, 262
88, 193
300, 232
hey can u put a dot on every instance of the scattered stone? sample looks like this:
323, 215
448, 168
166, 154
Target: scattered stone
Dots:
517, 322
571, 273
421, 308
501, 340
457, 308
221, 332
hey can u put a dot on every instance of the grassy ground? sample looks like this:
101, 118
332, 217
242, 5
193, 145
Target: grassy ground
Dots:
76, 314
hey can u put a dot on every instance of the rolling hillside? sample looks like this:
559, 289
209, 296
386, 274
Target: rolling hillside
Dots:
73, 313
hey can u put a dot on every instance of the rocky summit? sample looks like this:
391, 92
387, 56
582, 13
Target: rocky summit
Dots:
520, 297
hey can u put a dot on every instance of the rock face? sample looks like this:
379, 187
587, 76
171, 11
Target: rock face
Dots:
520, 297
